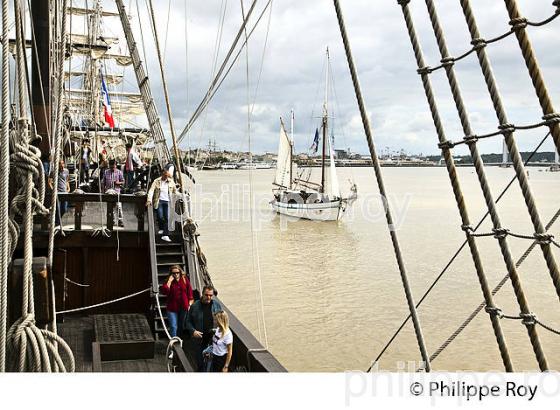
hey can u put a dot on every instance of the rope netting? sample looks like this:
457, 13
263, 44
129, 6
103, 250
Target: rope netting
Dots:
506, 130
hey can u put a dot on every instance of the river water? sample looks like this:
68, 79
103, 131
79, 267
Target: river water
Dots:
331, 292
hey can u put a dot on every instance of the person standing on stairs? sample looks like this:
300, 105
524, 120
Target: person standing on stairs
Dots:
179, 294
159, 196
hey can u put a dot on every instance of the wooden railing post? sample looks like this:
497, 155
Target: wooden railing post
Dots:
110, 215
78, 209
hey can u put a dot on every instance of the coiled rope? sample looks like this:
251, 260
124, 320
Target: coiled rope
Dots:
28, 347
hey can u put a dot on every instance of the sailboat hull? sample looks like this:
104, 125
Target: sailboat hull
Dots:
326, 211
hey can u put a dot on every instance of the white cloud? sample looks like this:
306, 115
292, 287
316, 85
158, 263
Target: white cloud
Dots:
294, 60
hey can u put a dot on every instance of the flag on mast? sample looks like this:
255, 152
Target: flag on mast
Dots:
107, 104
315, 145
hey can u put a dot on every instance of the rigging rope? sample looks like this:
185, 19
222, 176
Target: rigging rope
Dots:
382, 191
30, 348
456, 186
483, 181
453, 258
178, 161
509, 138
207, 97
4, 184
204, 104
103, 303
254, 235
519, 24
496, 289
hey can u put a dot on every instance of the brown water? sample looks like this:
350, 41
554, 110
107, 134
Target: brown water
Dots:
332, 291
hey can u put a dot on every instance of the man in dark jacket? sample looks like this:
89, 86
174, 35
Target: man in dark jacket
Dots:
200, 321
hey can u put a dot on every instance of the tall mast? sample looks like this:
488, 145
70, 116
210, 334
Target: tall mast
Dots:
325, 123
41, 90
291, 146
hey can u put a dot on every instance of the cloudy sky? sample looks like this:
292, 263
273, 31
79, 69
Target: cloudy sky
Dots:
294, 63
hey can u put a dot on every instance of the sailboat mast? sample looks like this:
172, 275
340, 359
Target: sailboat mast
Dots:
291, 147
325, 124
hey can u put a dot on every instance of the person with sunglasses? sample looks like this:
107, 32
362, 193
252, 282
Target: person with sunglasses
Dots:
179, 294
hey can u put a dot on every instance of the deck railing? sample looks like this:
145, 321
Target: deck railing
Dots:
78, 200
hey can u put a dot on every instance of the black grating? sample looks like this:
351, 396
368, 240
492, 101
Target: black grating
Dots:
122, 328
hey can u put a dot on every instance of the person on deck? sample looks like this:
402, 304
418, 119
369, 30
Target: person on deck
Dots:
159, 196
85, 158
132, 163
179, 294
113, 180
222, 344
63, 185
200, 322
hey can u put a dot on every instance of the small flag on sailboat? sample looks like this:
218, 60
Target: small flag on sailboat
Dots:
315, 145
106, 104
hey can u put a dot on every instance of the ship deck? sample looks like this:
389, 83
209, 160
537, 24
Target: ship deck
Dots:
78, 332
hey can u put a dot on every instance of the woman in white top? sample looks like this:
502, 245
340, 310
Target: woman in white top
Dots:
222, 344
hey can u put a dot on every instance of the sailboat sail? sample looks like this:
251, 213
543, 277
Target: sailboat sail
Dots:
332, 188
284, 162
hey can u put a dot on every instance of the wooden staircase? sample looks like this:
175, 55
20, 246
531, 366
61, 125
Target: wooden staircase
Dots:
163, 255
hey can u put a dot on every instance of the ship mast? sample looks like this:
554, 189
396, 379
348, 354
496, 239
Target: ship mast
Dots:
325, 124
291, 147
40, 91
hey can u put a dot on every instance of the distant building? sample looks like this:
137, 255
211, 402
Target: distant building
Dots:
341, 153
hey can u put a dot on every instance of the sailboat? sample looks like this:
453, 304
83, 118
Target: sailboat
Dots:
556, 166
299, 197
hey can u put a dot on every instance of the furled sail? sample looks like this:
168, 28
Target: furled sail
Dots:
109, 78
83, 39
284, 162
100, 52
81, 11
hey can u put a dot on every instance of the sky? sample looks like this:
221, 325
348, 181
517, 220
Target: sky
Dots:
289, 72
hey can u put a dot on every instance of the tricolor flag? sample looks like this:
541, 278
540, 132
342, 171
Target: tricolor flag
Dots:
106, 104
315, 145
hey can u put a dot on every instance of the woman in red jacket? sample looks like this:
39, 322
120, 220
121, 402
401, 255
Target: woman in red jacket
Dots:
179, 294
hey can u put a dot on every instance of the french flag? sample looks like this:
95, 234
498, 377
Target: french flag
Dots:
107, 104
